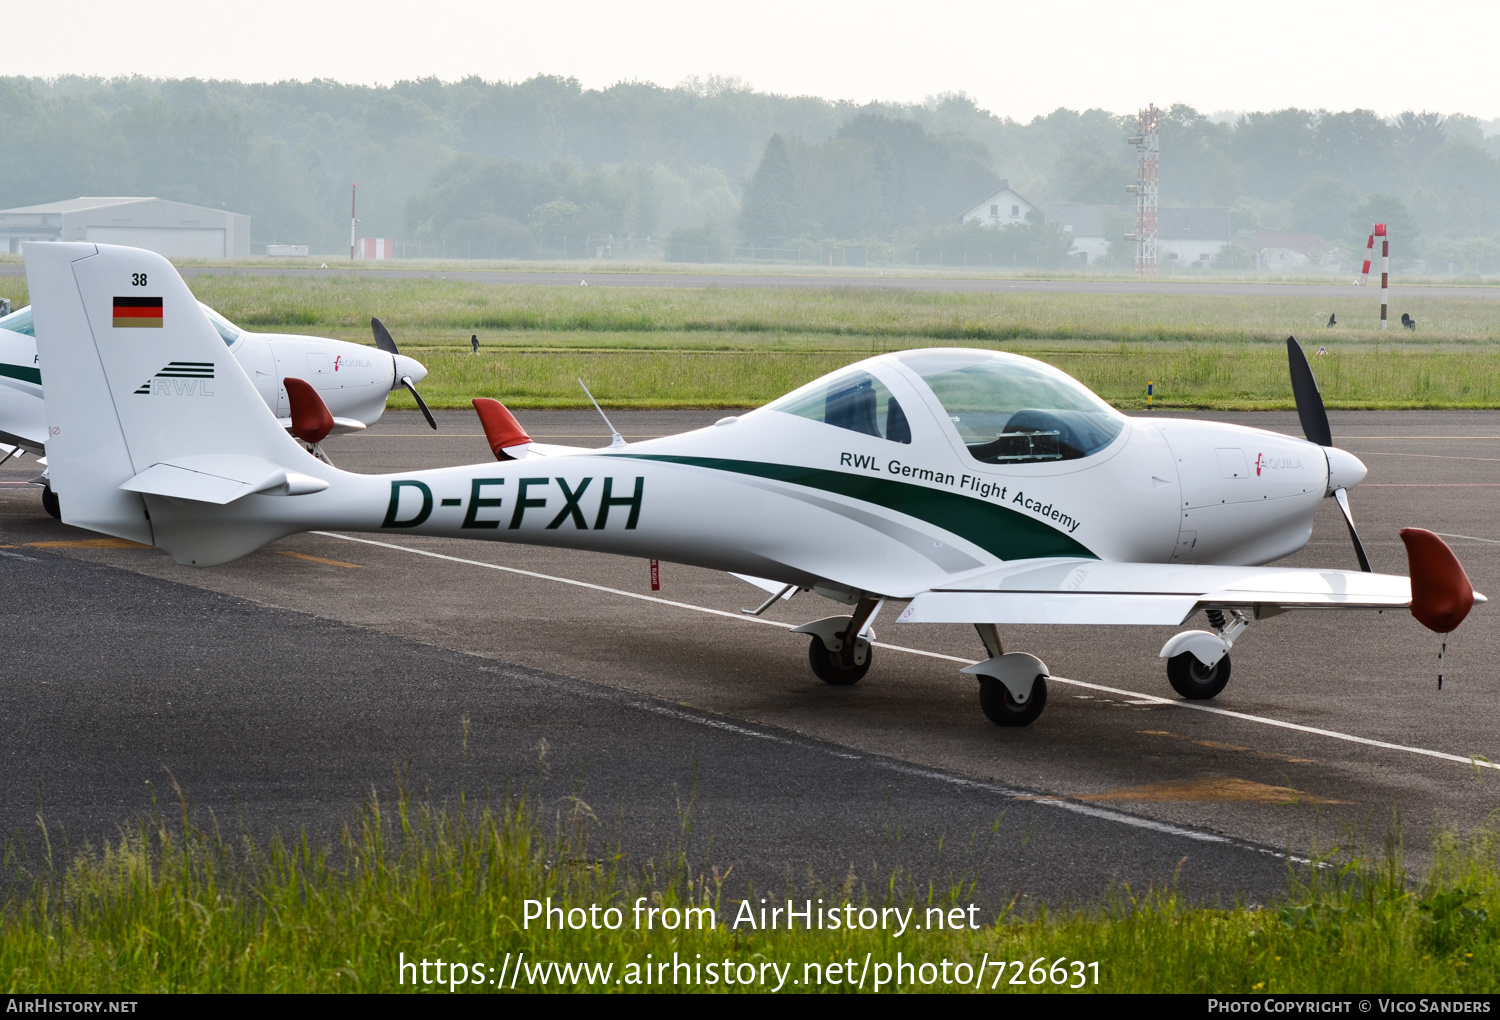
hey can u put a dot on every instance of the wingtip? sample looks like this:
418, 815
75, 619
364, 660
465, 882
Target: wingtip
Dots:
1441, 595
501, 429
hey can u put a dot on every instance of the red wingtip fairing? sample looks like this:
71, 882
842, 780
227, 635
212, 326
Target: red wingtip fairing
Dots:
1441, 595
311, 420
500, 427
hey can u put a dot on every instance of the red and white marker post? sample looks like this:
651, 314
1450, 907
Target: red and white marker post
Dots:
1385, 268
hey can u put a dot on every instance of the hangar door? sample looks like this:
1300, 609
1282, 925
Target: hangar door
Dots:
174, 242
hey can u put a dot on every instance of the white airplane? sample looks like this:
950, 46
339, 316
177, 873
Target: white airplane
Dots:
351, 379
984, 487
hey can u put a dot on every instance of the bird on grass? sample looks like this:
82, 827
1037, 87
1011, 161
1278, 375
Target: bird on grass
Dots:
1408, 322
1333, 319
474, 344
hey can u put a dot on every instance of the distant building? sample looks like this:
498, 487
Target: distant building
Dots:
375, 248
1186, 237
1085, 224
1281, 251
174, 229
1000, 209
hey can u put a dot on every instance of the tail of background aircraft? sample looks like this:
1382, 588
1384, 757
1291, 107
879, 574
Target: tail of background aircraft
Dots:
144, 400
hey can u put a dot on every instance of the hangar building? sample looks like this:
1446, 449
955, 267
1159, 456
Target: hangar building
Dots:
174, 229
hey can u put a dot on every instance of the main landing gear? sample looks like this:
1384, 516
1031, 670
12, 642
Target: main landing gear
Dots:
1198, 660
840, 652
1012, 686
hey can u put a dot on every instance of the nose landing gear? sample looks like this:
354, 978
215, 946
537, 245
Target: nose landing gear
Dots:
1198, 660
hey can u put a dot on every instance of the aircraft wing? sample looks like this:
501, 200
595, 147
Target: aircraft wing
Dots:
1080, 591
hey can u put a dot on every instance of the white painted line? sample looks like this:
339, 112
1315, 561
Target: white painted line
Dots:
1138, 697
1467, 538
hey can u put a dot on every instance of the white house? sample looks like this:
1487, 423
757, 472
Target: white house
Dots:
1188, 236
1000, 209
1085, 224
174, 229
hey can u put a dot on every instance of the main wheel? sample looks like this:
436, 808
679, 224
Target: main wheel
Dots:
49, 502
830, 668
1001, 709
1195, 681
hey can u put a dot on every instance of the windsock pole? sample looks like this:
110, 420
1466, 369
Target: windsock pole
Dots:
1385, 271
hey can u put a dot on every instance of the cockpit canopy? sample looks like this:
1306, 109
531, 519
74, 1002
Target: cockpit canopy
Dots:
20, 321
853, 400
1013, 410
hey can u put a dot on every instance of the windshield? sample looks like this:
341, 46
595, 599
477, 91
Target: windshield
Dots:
856, 401
228, 330
19, 321
1012, 410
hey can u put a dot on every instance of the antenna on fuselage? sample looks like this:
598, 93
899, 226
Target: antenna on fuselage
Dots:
616, 440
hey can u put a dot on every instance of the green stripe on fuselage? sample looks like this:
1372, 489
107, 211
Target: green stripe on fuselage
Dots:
1000, 530
21, 372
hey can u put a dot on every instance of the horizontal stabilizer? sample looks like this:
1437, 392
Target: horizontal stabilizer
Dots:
221, 478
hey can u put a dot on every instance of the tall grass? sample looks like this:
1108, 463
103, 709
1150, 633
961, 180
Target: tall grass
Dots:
172, 908
1242, 376
428, 310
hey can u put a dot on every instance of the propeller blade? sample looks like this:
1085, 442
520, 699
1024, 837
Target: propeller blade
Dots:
383, 338
1309, 400
406, 381
1342, 495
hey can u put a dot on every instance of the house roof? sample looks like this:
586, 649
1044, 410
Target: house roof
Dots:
1086, 220
1193, 224
72, 205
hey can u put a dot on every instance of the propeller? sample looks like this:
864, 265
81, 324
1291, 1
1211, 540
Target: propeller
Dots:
1314, 418
387, 343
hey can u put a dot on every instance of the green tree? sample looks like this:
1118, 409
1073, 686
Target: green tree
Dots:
767, 210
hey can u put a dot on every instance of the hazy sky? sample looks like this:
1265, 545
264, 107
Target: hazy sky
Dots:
1015, 59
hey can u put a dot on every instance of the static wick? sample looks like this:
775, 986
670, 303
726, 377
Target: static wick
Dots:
1441, 650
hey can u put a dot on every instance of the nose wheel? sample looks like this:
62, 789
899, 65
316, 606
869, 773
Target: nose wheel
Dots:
1195, 681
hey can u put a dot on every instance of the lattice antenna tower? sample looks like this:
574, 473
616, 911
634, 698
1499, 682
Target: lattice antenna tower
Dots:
1147, 142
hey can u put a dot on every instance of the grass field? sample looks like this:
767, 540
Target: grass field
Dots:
169, 908
715, 347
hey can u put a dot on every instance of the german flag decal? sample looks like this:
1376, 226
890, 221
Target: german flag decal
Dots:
137, 313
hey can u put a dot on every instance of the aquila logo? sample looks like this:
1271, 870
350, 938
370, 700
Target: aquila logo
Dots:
180, 379
1277, 463
340, 361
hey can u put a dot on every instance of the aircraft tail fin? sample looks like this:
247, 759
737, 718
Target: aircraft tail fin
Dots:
137, 377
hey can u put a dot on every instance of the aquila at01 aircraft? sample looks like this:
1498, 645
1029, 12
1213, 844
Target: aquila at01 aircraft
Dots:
986, 488
351, 379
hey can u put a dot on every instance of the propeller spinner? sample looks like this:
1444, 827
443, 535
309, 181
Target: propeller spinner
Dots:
387, 343
1314, 418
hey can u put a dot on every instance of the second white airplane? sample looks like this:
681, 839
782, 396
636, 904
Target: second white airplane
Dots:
352, 380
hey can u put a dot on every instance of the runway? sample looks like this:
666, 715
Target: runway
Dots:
280, 687
895, 280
